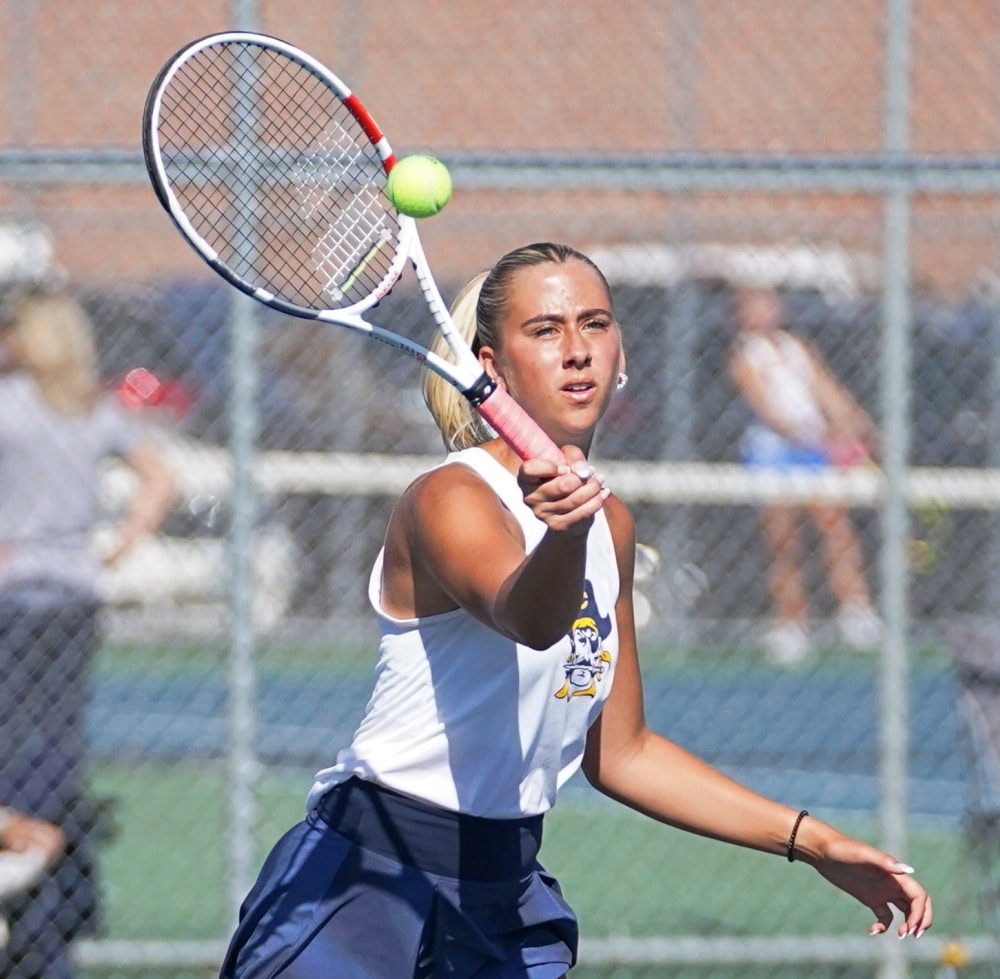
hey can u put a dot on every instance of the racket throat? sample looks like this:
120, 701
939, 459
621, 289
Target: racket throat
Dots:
481, 390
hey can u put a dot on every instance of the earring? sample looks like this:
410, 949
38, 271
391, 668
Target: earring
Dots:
622, 379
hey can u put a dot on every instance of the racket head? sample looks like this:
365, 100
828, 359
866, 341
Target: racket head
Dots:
275, 173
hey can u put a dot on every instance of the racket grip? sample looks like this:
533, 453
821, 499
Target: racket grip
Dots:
517, 428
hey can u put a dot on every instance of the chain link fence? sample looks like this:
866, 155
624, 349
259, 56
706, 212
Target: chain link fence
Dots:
844, 155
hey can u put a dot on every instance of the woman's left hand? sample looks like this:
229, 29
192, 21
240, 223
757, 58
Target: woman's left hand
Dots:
878, 881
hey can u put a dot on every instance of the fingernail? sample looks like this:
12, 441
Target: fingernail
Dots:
920, 931
905, 868
583, 470
605, 492
562, 470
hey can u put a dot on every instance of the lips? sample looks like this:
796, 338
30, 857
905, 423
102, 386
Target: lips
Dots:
579, 390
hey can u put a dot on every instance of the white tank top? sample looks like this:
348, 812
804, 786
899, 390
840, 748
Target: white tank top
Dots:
471, 721
788, 379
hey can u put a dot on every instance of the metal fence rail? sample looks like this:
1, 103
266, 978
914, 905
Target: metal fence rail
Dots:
823, 148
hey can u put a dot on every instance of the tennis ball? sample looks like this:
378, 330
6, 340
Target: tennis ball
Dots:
419, 186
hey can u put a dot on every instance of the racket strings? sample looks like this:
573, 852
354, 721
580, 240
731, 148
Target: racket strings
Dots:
277, 176
355, 250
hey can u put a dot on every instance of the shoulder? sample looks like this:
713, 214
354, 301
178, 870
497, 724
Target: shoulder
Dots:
622, 526
792, 341
451, 481
450, 493
619, 517
750, 352
443, 520
802, 349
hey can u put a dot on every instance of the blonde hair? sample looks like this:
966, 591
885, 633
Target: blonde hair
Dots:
461, 426
477, 312
56, 346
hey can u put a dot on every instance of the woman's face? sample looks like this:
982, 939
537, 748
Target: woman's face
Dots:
759, 309
560, 349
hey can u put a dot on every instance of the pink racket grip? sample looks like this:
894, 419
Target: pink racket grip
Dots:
518, 429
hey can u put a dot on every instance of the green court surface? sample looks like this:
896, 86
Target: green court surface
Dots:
165, 868
165, 872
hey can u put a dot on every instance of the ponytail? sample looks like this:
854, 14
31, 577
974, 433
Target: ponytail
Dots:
461, 426
478, 312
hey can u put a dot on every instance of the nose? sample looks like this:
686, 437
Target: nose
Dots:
576, 350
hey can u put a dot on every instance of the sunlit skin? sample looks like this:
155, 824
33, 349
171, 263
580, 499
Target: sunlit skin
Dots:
22, 834
559, 356
759, 310
561, 350
760, 313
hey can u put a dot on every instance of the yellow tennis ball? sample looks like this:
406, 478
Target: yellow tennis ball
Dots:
419, 186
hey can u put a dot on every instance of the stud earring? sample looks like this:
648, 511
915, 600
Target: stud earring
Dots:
622, 379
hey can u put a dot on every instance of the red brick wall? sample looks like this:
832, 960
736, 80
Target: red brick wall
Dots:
797, 76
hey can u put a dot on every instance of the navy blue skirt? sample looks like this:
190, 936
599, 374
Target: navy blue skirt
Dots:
374, 885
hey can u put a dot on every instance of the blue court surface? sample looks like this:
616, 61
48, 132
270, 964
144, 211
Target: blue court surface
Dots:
809, 739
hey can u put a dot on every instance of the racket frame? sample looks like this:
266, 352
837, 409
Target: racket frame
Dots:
466, 373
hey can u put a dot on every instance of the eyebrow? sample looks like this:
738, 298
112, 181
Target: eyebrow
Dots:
586, 314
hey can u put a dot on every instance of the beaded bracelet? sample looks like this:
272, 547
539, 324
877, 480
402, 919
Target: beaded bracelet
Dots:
795, 830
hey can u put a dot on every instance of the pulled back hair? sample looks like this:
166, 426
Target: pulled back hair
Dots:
56, 347
478, 311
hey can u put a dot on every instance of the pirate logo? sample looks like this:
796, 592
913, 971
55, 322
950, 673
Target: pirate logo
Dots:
588, 659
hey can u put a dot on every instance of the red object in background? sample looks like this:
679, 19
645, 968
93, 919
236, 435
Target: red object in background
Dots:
141, 388
847, 453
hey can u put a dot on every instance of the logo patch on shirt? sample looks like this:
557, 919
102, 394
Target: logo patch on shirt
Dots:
588, 660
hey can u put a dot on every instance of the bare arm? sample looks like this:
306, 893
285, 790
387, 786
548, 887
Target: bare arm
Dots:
150, 504
846, 418
627, 761
451, 543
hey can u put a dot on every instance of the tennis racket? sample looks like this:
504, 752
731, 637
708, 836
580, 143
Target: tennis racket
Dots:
275, 173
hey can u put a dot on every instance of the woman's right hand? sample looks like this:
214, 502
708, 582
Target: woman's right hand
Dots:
22, 833
565, 498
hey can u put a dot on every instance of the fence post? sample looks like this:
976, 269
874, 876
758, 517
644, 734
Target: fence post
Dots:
896, 328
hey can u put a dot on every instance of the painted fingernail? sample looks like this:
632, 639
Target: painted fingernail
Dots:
605, 492
905, 868
920, 931
583, 470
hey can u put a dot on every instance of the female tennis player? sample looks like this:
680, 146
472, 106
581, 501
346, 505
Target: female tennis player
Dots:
507, 660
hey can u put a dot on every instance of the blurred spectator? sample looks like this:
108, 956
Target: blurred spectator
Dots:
56, 430
22, 834
28, 848
803, 418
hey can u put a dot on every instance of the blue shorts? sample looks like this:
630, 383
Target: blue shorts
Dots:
374, 885
766, 449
